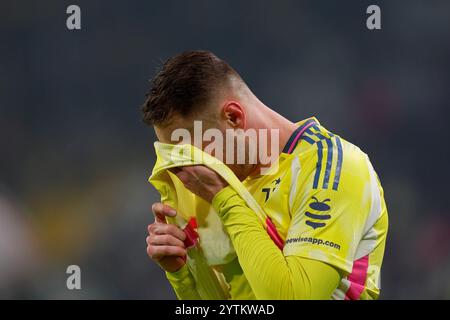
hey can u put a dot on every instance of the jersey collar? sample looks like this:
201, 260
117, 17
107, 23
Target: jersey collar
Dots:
297, 134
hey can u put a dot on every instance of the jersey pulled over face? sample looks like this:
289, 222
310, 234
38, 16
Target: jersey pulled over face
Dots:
327, 204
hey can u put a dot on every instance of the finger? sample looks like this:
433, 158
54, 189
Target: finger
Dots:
163, 228
151, 228
175, 170
164, 240
160, 229
196, 170
184, 176
158, 252
161, 211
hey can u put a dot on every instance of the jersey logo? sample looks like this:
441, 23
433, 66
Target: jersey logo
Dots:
267, 191
334, 146
319, 209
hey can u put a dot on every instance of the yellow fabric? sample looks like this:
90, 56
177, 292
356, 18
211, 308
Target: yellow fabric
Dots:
231, 274
357, 219
216, 247
294, 195
183, 284
270, 274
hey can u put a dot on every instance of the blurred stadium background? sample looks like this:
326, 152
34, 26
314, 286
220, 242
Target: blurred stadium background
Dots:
75, 155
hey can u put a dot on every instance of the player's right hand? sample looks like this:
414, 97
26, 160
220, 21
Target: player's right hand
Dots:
165, 241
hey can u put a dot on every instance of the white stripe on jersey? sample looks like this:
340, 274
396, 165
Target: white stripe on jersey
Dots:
369, 238
295, 171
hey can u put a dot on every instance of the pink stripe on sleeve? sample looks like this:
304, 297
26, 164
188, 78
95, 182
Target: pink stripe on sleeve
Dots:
357, 278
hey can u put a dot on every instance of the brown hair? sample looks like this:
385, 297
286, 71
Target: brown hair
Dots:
185, 83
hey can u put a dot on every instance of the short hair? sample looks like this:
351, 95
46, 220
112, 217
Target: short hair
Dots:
185, 83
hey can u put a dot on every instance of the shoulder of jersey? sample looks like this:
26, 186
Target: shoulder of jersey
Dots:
326, 151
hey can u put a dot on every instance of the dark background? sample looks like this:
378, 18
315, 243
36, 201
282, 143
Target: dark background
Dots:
75, 156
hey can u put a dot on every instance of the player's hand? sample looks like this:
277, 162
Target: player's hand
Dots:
165, 241
201, 180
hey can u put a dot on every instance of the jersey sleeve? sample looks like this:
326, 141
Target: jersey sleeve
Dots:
330, 205
270, 274
183, 284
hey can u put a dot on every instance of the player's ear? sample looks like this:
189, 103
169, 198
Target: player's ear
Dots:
234, 114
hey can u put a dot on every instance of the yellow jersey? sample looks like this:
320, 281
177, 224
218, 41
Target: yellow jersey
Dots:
327, 203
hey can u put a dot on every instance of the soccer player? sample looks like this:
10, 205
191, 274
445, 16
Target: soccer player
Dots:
324, 199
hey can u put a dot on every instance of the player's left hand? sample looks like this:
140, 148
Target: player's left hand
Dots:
201, 180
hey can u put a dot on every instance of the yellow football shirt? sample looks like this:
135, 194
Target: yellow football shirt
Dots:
327, 204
